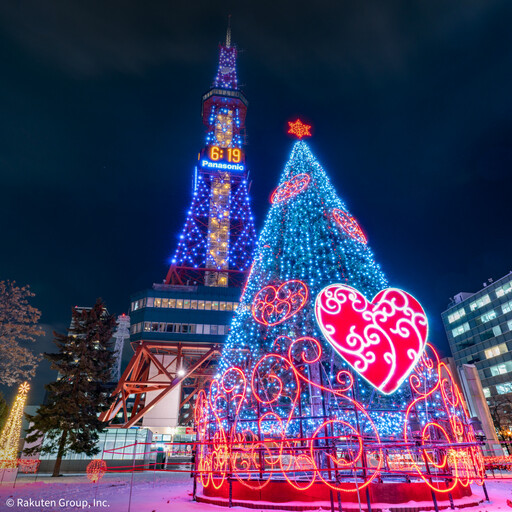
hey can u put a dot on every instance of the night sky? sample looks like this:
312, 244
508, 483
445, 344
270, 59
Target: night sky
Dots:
410, 102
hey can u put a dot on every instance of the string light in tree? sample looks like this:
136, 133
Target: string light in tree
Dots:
286, 404
10, 437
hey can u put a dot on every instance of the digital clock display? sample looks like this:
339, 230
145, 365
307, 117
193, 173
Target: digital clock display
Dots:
232, 155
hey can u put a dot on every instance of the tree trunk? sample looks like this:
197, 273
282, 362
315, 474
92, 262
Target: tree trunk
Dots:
60, 453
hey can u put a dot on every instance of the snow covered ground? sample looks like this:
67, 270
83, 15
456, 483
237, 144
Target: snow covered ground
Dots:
153, 492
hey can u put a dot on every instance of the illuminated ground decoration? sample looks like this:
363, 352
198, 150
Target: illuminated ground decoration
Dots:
384, 341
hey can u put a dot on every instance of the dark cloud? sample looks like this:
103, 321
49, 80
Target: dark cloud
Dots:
100, 128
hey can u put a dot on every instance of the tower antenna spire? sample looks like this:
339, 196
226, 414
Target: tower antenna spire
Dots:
228, 33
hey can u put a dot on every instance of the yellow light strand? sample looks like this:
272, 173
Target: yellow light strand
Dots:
10, 437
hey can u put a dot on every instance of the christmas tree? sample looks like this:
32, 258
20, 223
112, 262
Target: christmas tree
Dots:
10, 436
326, 375
69, 417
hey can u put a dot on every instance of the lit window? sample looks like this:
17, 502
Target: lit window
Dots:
509, 325
147, 326
215, 305
206, 329
457, 315
486, 317
496, 350
213, 329
158, 303
208, 305
501, 368
193, 304
229, 306
460, 330
199, 328
507, 307
496, 330
179, 303
200, 304
503, 290
222, 306
186, 304
150, 302
487, 392
504, 388
478, 303
172, 303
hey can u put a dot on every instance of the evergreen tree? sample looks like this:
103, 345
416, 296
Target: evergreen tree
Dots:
18, 324
69, 418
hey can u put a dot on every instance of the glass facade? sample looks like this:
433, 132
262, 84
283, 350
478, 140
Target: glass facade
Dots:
111, 443
479, 330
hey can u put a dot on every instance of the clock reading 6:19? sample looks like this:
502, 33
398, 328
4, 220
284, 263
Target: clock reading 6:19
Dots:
231, 154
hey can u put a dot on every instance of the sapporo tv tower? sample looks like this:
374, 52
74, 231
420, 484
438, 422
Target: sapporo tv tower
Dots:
178, 326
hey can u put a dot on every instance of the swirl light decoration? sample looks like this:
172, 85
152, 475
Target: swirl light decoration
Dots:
302, 409
276, 304
349, 225
290, 188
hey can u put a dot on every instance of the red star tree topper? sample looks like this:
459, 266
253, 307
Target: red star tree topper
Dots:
299, 129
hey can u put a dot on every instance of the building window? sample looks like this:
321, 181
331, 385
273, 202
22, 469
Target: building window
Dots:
478, 303
179, 303
193, 304
504, 388
186, 304
149, 302
509, 325
487, 317
487, 335
496, 330
200, 304
208, 305
457, 315
503, 290
460, 330
496, 350
507, 307
487, 392
500, 369
158, 302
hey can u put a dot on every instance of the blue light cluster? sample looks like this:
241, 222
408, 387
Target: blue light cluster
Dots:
301, 240
192, 245
226, 73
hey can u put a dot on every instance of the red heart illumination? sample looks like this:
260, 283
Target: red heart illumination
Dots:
273, 305
382, 340
290, 188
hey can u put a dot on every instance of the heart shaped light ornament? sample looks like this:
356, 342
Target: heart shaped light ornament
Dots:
382, 340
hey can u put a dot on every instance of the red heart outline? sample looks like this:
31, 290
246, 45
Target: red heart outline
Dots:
290, 188
273, 305
382, 340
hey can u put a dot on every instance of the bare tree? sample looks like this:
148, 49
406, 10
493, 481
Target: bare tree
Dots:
18, 324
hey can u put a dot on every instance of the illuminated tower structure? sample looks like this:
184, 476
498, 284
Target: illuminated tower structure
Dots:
178, 326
